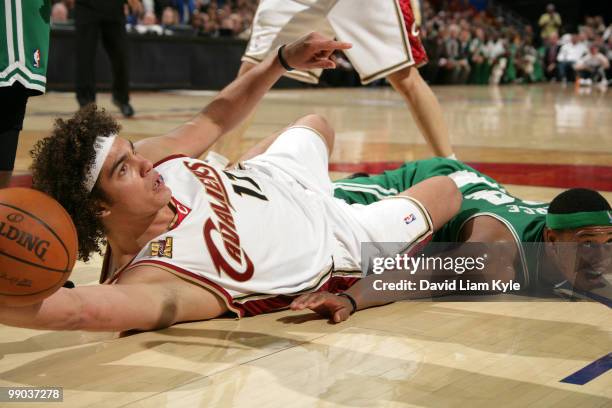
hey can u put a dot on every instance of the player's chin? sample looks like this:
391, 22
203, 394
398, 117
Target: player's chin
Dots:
590, 281
162, 193
160, 198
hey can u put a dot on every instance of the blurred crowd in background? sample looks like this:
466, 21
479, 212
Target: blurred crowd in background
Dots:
206, 18
467, 41
467, 45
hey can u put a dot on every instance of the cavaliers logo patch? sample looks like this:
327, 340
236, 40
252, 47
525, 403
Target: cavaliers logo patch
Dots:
162, 248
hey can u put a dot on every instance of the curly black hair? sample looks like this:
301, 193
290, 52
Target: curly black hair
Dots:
61, 162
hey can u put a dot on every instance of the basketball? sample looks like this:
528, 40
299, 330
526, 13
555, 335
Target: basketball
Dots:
38, 246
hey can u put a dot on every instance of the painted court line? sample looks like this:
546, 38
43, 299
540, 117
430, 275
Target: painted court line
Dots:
590, 372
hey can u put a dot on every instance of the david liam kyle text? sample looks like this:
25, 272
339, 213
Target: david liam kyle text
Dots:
459, 285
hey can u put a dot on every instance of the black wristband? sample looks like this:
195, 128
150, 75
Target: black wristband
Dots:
350, 298
282, 60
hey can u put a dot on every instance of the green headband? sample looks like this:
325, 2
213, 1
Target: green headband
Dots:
578, 219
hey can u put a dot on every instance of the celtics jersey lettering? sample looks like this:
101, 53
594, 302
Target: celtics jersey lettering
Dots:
482, 196
24, 43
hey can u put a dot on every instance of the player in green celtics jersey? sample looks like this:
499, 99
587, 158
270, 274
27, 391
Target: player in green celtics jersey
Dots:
24, 46
482, 195
490, 214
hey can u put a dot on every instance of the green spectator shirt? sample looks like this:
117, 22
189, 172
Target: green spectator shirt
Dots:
24, 43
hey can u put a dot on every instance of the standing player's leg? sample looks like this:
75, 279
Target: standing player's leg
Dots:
383, 47
423, 104
387, 45
425, 109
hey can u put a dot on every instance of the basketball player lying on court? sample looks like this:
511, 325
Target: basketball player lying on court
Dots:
489, 214
190, 240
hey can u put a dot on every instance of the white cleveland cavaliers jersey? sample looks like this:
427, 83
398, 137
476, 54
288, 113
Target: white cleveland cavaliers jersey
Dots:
245, 236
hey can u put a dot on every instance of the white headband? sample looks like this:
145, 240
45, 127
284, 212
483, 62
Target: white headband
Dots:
102, 146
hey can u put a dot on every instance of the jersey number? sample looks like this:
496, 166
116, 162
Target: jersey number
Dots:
245, 185
494, 197
527, 210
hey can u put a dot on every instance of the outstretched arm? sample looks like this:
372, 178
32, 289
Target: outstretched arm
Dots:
120, 307
234, 103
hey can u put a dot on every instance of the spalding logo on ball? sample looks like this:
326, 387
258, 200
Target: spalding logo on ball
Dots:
38, 246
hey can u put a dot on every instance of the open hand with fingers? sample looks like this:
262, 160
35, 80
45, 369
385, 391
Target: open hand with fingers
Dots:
312, 51
336, 308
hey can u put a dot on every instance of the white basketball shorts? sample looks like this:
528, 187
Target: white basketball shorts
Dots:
376, 28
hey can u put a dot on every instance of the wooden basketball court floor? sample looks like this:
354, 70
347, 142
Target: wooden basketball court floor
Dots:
426, 353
